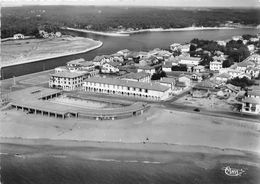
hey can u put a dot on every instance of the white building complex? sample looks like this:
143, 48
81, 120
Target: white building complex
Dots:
149, 91
67, 81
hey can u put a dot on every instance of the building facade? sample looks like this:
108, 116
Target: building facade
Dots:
215, 65
67, 81
251, 103
111, 67
148, 91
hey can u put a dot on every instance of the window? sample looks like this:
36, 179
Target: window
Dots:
146, 90
128, 88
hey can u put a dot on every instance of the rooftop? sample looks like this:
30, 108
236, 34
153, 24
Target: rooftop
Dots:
29, 98
138, 75
189, 58
76, 61
119, 82
251, 100
167, 80
224, 75
67, 74
205, 84
180, 84
147, 67
245, 64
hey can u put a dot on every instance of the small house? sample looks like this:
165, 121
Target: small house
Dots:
18, 36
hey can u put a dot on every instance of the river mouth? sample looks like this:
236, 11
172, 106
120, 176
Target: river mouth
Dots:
135, 42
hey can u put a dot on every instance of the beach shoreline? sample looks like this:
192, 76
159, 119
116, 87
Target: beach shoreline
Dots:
115, 34
98, 45
128, 33
140, 130
141, 146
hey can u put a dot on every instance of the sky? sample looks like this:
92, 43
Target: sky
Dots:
169, 3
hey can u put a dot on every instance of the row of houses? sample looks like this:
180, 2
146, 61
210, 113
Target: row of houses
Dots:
249, 68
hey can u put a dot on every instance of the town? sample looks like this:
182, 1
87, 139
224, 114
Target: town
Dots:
126, 92
198, 74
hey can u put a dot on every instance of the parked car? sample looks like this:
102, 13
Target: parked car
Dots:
196, 110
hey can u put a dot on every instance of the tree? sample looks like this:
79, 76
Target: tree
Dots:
158, 75
206, 59
227, 63
241, 82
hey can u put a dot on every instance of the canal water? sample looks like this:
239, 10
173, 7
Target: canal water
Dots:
136, 42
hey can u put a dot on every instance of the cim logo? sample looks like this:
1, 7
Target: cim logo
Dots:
233, 171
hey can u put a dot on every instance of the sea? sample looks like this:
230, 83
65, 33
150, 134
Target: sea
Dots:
136, 42
42, 165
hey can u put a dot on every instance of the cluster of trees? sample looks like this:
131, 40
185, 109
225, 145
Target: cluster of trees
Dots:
28, 18
241, 82
158, 75
237, 51
179, 68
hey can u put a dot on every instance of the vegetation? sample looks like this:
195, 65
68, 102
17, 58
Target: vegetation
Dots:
237, 51
227, 63
28, 19
179, 68
158, 75
241, 82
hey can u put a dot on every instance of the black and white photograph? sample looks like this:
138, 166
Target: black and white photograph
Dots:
130, 92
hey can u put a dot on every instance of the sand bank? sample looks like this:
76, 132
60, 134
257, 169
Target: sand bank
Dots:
128, 33
98, 32
26, 51
175, 29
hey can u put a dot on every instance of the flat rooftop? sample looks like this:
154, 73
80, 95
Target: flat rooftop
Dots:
67, 74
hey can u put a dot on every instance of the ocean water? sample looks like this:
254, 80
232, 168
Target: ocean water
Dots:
63, 168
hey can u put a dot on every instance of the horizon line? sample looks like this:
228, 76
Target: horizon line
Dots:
136, 6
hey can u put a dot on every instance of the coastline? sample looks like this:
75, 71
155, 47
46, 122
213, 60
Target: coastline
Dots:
128, 33
54, 56
171, 147
136, 130
176, 29
150, 153
116, 34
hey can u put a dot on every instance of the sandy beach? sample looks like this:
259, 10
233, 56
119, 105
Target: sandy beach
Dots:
160, 146
155, 126
32, 50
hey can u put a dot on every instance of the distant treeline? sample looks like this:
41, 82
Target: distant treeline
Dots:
27, 20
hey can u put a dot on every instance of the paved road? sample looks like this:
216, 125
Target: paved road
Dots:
227, 114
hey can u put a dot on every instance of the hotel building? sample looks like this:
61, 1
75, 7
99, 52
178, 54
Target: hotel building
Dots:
149, 91
67, 81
